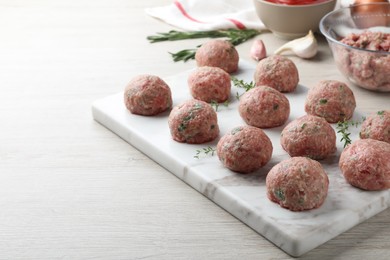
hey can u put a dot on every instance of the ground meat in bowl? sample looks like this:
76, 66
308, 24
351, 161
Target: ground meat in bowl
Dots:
377, 126
332, 100
264, 107
365, 164
368, 40
368, 63
277, 72
193, 121
309, 136
244, 149
218, 53
298, 184
210, 84
147, 95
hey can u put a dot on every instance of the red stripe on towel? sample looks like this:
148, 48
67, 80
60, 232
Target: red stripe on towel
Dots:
184, 12
238, 24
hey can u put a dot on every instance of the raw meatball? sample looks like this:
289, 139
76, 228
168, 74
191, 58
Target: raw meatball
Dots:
309, 136
365, 164
277, 72
244, 149
194, 122
298, 184
218, 53
210, 84
332, 100
147, 95
264, 107
377, 126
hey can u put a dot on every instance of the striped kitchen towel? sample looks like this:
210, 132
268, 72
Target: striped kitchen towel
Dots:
205, 15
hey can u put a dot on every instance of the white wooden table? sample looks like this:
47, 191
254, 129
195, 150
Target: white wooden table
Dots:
71, 189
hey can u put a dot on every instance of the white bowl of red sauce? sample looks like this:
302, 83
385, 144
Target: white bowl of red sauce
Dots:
291, 19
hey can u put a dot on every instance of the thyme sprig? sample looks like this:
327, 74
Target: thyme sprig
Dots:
205, 151
239, 83
235, 36
381, 112
216, 105
343, 129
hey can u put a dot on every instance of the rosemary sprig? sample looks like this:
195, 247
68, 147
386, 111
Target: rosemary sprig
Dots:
205, 151
235, 36
183, 55
239, 83
343, 129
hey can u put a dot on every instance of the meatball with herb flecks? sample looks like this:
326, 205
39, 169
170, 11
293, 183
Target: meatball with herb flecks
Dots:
298, 184
244, 149
147, 95
365, 164
277, 72
264, 107
332, 100
309, 136
193, 121
218, 53
377, 126
210, 84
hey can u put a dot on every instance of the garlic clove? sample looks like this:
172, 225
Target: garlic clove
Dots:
258, 51
305, 47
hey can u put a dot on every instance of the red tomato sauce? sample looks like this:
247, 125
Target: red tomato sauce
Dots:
297, 2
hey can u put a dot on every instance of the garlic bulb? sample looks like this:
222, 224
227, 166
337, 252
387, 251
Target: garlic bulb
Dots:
305, 47
258, 51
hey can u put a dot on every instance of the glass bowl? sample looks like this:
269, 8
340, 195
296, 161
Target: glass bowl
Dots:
366, 68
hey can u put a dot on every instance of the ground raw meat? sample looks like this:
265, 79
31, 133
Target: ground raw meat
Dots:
194, 122
309, 136
264, 107
277, 72
298, 184
368, 69
368, 40
210, 84
365, 164
377, 126
244, 149
332, 100
147, 95
218, 53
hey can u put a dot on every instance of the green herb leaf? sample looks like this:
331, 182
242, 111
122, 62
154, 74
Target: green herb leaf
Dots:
343, 129
205, 151
380, 112
239, 83
323, 101
215, 104
280, 194
184, 55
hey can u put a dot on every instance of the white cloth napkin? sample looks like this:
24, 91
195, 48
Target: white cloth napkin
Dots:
205, 15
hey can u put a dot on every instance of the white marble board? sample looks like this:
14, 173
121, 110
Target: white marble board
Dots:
244, 196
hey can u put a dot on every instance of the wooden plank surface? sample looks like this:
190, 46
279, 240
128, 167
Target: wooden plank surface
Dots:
71, 189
